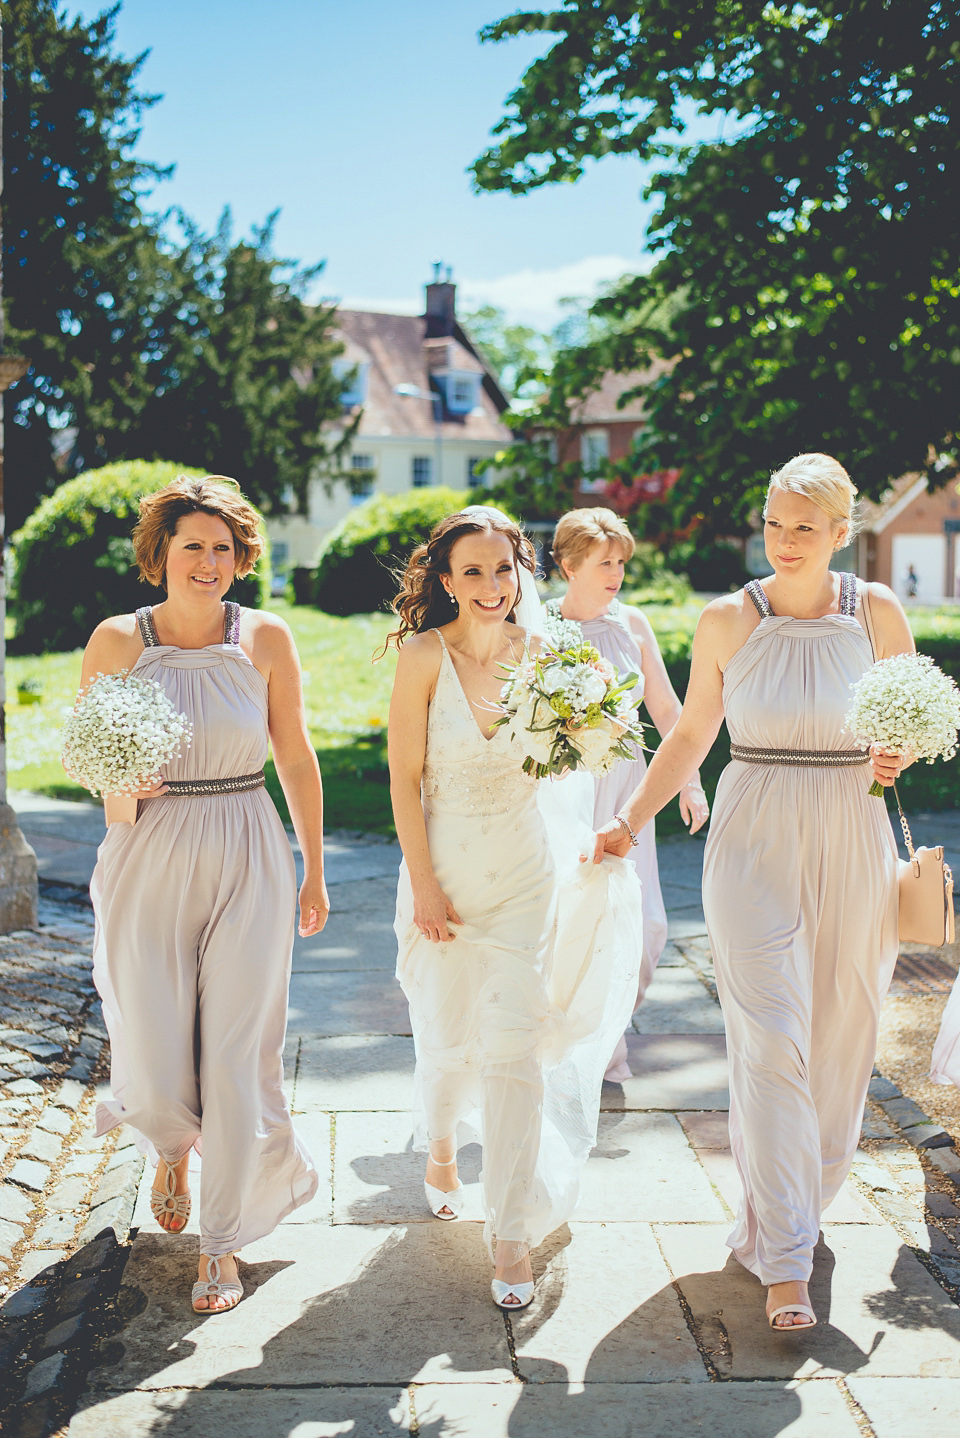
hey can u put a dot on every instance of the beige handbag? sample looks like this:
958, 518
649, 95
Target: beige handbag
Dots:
926, 893
926, 882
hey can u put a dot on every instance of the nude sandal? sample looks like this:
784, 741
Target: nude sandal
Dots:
213, 1287
438, 1199
176, 1204
793, 1327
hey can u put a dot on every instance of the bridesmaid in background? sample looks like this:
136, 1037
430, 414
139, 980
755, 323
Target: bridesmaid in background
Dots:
800, 869
591, 548
194, 889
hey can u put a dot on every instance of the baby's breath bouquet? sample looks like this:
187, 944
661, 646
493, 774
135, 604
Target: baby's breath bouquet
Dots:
561, 633
122, 730
907, 705
569, 709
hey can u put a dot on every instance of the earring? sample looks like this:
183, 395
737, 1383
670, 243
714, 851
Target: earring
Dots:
451, 598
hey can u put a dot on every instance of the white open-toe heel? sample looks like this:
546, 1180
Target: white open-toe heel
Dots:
438, 1199
511, 1296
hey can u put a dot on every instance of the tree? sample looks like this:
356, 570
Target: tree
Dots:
245, 380
815, 244
83, 269
142, 346
517, 353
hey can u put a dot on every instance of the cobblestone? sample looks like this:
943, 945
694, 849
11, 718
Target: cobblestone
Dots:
15, 1204
30, 1174
43, 1146
55, 1120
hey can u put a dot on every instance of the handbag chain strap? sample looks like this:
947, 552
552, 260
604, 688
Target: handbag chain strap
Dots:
907, 836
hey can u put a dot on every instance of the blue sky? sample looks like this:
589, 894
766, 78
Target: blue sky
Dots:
358, 119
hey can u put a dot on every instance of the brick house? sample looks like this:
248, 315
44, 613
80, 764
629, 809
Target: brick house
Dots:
426, 407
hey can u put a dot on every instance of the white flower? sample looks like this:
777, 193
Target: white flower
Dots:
555, 678
561, 633
907, 705
122, 730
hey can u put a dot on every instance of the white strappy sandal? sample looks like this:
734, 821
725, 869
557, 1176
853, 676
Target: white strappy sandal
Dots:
170, 1202
438, 1199
793, 1327
214, 1287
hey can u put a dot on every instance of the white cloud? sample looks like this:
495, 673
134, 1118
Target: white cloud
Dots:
533, 297
529, 296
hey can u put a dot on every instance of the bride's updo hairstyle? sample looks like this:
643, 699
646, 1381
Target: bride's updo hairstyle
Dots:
422, 602
824, 481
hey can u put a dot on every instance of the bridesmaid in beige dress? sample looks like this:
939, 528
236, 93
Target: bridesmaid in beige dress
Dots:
799, 882
194, 888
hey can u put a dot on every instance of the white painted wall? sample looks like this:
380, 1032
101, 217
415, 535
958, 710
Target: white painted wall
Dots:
393, 462
928, 555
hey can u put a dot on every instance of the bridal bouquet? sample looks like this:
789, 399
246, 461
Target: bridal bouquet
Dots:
570, 709
123, 729
907, 705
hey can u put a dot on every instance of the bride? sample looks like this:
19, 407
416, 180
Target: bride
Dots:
520, 969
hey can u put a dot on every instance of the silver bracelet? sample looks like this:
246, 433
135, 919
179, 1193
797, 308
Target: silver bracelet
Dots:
621, 820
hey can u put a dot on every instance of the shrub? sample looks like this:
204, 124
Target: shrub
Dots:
357, 564
74, 558
712, 567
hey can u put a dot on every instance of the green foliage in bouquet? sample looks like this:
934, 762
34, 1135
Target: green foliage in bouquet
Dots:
74, 558
356, 572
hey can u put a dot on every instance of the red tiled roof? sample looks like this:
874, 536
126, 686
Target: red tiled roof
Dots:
396, 348
600, 405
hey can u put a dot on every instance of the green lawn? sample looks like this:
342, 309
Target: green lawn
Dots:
347, 699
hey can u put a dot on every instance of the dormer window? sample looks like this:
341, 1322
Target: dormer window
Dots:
353, 377
461, 390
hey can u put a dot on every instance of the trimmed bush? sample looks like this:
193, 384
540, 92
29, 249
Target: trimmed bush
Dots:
74, 558
357, 564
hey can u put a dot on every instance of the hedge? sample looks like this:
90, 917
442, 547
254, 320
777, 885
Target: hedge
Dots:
73, 559
356, 570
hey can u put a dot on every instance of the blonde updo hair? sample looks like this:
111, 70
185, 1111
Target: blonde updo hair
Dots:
580, 529
824, 481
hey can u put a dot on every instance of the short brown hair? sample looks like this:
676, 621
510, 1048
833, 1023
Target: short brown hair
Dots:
579, 530
213, 494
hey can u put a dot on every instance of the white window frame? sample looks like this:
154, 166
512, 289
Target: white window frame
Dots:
594, 450
421, 465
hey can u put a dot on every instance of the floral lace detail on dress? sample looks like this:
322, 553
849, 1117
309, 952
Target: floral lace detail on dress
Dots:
464, 773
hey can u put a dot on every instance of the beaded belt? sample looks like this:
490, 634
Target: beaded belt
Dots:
825, 758
239, 784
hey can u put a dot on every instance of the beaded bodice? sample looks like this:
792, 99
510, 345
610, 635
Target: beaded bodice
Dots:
222, 694
464, 773
788, 686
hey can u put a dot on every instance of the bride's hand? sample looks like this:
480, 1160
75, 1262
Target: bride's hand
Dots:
433, 913
611, 839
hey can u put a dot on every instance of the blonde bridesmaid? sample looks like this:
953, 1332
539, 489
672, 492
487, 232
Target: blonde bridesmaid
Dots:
800, 878
194, 889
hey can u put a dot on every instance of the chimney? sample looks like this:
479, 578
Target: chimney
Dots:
441, 304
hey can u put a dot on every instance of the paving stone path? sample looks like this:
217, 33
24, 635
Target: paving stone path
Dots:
364, 1315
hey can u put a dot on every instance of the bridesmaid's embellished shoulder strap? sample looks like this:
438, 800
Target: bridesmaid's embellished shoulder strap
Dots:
147, 632
848, 595
231, 627
760, 600
443, 645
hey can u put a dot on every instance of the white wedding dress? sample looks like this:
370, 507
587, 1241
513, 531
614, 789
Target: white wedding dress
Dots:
515, 1019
